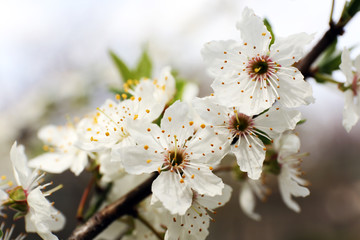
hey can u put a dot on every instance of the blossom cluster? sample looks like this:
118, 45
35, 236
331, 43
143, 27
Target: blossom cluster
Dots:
251, 115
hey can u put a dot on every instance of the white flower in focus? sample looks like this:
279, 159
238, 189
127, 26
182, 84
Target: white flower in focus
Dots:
242, 131
351, 111
41, 216
290, 183
62, 153
194, 224
183, 159
252, 76
251, 188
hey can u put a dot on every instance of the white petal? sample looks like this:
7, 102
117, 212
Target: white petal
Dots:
52, 162
80, 161
247, 202
346, 66
357, 64
215, 201
351, 110
277, 120
42, 217
289, 186
253, 32
177, 123
209, 111
286, 51
250, 155
147, 134
19, 162
293, 90
175, 196
222, 57
137, 159
204, 181
286, 144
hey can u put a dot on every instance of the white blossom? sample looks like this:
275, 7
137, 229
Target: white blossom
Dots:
251, 75
351, 111
41, 216
242, 131
183, 158
61, 154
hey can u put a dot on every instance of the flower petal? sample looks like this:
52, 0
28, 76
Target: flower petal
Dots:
175, 196
286, 51
250, 155
253, 32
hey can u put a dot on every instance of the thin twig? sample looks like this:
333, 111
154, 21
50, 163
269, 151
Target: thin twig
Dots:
331, 13
84, 197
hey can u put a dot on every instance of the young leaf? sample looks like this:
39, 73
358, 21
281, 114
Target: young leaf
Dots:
269, 28
144, 66
124, 71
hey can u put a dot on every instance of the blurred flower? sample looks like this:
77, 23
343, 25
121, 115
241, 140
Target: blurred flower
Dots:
351, 111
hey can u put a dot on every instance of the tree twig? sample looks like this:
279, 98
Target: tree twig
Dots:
107, 215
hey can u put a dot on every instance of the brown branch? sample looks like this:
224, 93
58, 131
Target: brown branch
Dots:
84, 197
107, 215
329, 37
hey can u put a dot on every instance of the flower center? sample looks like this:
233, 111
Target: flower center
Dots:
240, 124
260, 68
176, 158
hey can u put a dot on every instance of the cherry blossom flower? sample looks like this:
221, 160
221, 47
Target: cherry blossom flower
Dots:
61, 154
108, 128
183, 158
351, 111
242, 131
290, 184
251, 75
193, 225
40, 216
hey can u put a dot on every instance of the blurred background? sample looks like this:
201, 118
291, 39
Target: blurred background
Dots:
54, 64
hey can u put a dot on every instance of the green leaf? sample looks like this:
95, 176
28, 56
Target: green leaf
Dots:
144, 66
124, 71
301, 122
1, 233
269, 28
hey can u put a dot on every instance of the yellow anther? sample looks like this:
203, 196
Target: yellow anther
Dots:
132, 98
181, 180
148, 161
139, 99
147, 111
46, 148
146, 147
202, 125
10, 183
191, 123
211, 168
169, 118
3, 177
124, 96
107, 134
136, 116
117, 96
